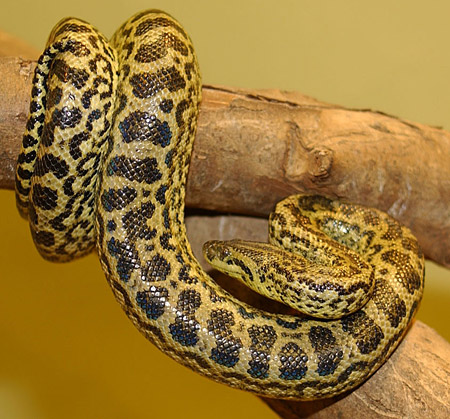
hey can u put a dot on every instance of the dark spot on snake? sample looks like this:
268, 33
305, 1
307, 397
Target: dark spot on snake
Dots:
168, 159
226, 352
293, 362
44, 238
44, 197
67, 187
156, 269
126, 255
262, 340
34, 106
161, 194
117, 198
29, 141
93, 116
328, 353
54, 97
93, 41
181, 107
289, 325
75, 142
27, 157
164, 240
67, 74
157, 22
189, 68
147, 85
364, 330
154, 51
145, 170
72, 27
33, 120
111, 226
184, 329
387, 301
135, 222
184, 275
77, 48
50, 163
166, 105
142, 126
66, 117
405, 274
23, 173
152, 301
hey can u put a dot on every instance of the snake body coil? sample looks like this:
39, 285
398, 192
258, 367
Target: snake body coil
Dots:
105, 158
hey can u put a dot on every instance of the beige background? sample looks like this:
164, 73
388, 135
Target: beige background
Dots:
67, 350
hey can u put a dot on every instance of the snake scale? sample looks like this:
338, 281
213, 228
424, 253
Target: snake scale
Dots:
104, 162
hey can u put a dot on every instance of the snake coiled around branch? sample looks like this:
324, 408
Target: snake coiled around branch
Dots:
104, 162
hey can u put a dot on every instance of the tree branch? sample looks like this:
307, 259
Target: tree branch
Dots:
254, 148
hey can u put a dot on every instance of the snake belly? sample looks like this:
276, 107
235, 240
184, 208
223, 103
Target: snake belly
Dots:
105, 158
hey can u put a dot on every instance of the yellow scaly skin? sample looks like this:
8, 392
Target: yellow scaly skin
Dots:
139, 96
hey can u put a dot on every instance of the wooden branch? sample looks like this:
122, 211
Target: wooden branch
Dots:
414, 382
255, 147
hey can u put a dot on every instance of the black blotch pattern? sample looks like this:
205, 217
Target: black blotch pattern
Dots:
367, 333
111, 226
67, 187
68, 74
146, 85
328, 353
44, 197
29, 141
135, 222
151, 52
140, 170
184, 276
153, 301
48, 134
263, 339
161, 194
164, 239
166, 105
293, 362
44, 238
142, 126
227, 350
66, 117
34, 106
75, 142
181, 107
54, 97
184, 329
158, 22
126, 255
77, 48
73, 27
387, 301
116, 199
156, 269
405, 274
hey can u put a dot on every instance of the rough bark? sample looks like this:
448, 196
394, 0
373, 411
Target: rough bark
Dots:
255, 147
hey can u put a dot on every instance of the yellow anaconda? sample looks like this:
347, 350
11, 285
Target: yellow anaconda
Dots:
104, 161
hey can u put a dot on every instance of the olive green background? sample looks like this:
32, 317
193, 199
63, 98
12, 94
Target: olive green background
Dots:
66, 349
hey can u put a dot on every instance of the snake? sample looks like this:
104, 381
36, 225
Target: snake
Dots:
103, 165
